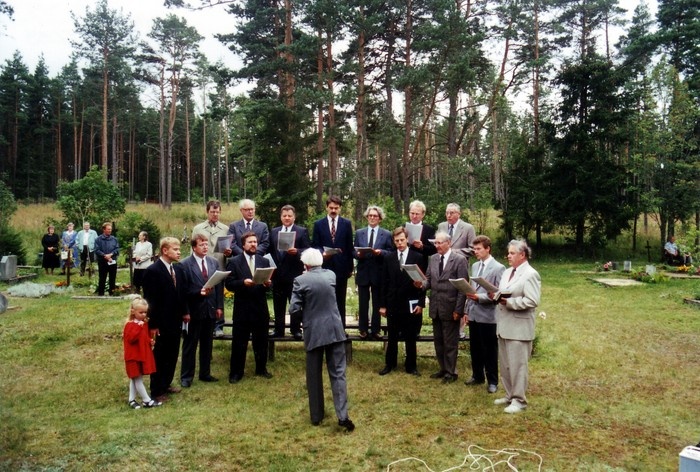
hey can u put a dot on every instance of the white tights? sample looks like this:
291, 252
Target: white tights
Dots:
136, 386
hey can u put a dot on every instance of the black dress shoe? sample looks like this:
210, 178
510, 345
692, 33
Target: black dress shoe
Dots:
438, 375
473, 381
363, 334
275, 334
316, 423
449, 378
235, 379
209, 378
297, 336
413, 372
264, 374
186, 383
385, 370
376, 336
347, 424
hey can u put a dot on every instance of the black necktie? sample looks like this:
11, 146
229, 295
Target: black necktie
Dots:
247, 226
333, 229
172, 274
371, 238
442, 261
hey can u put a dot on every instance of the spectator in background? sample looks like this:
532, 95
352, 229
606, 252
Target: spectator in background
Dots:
68, 244
85, 240
50, 257
106, 250
673, 255
142, 255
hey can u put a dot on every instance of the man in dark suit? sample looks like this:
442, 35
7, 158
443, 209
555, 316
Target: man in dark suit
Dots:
515, 324
205, 305
369, 269
481, 316
289, 266
402, 303
446, 304
246, 224
163, 285
313, 298
335, 232
422, 245
250, 313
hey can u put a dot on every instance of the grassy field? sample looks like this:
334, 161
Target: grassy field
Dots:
613, 386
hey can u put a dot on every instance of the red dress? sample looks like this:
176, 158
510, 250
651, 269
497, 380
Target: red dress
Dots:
138, 354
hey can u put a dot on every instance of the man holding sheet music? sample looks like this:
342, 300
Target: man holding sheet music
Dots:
287, 242
372, 244
446, 304
401, 302
420, 234
481, 316
250, 313
216, 233
206, 304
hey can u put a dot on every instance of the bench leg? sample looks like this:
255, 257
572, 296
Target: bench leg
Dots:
271, 351
348, 351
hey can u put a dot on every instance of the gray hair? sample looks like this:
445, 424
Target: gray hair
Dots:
375, 208
312, 257
418, 204
443, 235
520, 246
246, 202
453, 207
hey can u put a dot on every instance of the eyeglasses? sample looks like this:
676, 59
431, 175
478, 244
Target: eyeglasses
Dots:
372, 216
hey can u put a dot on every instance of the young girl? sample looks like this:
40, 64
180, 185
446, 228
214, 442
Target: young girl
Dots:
138, 353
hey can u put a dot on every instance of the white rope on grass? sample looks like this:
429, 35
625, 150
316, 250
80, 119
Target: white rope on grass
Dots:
482, 461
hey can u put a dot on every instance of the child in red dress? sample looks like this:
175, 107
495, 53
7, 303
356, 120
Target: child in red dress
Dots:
138, 353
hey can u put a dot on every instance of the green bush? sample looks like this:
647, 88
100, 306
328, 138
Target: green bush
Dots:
129, 227
11, 243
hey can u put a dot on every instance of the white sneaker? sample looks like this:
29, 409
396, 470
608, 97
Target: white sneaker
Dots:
501, 401
515, 407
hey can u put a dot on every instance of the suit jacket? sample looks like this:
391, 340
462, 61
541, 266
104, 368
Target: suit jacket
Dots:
397, 286
237, 229
427, 233
213, 233
445, 299
463, 235
369, 267
288, 266
341, 264
166, 302
484, 310
248, 302
201, 307
516, 319
313, 298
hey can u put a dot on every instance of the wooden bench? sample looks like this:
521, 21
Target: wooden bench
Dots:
272, 340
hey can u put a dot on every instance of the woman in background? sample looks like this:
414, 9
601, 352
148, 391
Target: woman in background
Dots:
68, 245
143, 252
49, 242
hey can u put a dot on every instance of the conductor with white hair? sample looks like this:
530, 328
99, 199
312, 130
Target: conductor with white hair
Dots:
313, 299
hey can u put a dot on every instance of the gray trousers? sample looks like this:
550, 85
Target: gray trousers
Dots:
446, 341
513, 357
336, 364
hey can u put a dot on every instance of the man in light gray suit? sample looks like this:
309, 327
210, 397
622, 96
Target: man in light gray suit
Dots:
313, 299
446, 304
481, 316
515, 324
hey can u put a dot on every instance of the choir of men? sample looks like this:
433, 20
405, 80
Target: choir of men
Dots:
178, 294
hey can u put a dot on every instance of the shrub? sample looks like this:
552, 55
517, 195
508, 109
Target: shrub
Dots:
129, 227
11, 243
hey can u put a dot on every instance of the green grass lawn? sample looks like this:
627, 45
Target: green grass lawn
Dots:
613, 386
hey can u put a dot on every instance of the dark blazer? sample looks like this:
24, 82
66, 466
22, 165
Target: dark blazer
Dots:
289, 266
201, 307
248, 302
445, 299
427, 233
313, 298
397, 286
167, 304
237, 229
369, 267
341, 264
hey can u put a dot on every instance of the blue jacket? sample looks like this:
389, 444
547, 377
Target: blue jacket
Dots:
107, 245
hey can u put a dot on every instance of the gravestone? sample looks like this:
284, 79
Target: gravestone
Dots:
8, 267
